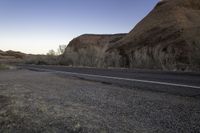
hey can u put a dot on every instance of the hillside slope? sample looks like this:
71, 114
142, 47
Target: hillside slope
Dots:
91, 40
11, 54
89, 50
168, 37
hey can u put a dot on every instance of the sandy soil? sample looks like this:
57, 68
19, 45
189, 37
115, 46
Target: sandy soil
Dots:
45, 102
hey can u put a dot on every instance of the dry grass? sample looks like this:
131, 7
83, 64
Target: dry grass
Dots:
4, 67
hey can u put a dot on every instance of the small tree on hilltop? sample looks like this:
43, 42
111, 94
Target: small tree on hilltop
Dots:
51, 53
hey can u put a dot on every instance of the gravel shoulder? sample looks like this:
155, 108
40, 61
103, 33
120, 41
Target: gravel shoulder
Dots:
45, 102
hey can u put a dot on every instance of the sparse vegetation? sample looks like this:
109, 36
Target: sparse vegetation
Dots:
113, 59
94, 57
51, 58
90, 57
42, 60
3, 67
51, 53
82, 57
61, 49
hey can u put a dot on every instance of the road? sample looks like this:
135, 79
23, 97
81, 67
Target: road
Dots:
178, 83
54, 101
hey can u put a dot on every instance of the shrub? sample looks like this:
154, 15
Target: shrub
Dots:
3, 66
90, 57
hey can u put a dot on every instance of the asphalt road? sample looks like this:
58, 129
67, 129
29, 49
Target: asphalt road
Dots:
178, 83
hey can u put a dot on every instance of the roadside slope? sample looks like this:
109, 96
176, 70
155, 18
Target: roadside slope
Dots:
168, 37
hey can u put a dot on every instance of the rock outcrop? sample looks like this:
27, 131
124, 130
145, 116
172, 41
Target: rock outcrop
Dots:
95, 41
168, 37
89, 50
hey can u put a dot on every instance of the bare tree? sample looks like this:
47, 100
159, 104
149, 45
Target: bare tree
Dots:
51, 53
61, 49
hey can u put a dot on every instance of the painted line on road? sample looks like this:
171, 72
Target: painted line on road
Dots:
118, 78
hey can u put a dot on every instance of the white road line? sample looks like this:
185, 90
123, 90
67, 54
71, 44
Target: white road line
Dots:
126, 79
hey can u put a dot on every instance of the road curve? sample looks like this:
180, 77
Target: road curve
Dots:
179, 83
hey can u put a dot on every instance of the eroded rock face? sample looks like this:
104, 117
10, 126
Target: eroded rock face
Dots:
97, 41
89, 50
168, 37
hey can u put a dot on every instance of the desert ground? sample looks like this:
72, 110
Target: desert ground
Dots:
33, 101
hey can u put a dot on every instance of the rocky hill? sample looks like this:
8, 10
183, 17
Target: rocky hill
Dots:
11, 56
89, 50
168, 37
91, 40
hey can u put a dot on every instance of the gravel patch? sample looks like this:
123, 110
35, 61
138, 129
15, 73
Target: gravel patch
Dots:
44, 102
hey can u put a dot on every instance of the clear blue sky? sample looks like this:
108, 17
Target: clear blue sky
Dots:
36, 26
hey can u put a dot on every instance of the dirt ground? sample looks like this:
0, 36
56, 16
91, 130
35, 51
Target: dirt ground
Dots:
45, 102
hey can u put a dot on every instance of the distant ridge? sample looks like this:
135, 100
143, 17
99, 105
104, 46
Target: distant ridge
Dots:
11, 54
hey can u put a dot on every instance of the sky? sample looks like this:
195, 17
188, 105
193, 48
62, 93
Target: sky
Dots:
36, 26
